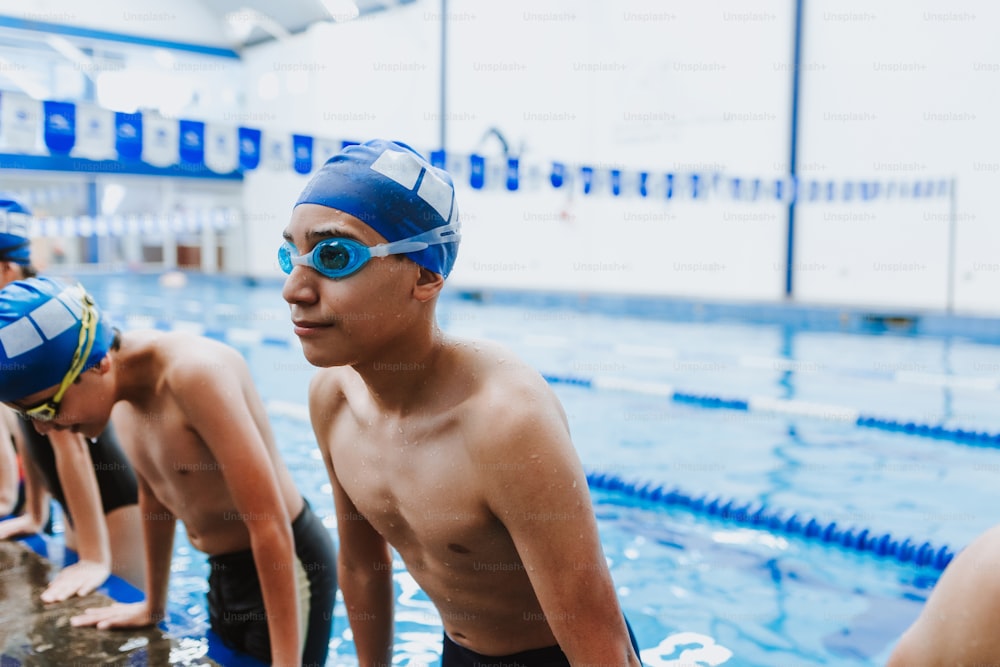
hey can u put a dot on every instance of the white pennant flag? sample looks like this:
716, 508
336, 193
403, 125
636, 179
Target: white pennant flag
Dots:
160, 141
222, 151
20, 123
276, 150
324, 149
95, 133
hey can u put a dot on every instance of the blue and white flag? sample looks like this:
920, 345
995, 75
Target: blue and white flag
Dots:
250, 141
60, 126
128, 135
558, 175
160, 141
616, 182
95, 133
324, 149
587, 178
439, 159
512, 174
192, 142
477, 171
222, 153
302, 152
20, 120
276, 150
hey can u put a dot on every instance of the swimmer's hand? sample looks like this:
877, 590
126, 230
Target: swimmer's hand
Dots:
118, 615
18, 526
80, 578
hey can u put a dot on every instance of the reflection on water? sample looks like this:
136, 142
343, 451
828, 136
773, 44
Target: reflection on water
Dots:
33, 633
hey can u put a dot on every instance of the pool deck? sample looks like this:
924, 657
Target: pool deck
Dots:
35, 633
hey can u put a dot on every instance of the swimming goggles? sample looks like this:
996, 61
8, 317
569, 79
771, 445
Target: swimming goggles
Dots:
341, 257
49, 409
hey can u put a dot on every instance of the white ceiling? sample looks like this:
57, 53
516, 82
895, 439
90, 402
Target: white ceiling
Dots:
292, 15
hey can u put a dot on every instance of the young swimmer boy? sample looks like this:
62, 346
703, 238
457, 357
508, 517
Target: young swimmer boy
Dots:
92, 481
454, 453
195, 429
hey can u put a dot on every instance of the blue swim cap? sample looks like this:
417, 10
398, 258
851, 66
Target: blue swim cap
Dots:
14, 242
40, 322
394, 190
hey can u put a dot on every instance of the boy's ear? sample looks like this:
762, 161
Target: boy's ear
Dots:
428, 285
103, 366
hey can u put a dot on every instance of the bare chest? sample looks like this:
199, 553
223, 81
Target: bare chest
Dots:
420, 493
172, 458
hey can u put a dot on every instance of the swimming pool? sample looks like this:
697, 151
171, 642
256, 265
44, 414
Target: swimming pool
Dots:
761, 413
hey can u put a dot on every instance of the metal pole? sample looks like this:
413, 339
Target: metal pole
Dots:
952, 224
793, 152
443, 104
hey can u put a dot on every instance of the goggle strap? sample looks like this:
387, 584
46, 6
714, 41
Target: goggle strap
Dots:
436, 236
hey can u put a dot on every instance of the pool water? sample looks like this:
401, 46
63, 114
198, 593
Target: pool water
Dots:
697, 590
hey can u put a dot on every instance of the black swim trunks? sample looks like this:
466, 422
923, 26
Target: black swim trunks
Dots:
236, 603
454, 655
115, 477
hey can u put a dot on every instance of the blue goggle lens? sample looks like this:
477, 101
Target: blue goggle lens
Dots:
334, 258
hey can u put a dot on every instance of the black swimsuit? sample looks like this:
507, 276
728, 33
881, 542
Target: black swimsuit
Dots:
454, 655
236, 603
115, 477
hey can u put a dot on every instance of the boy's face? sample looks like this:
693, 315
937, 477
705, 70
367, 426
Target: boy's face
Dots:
339, 321
81, 409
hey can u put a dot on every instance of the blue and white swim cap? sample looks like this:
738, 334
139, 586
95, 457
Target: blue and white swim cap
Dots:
394, 190
40, 322
15, 219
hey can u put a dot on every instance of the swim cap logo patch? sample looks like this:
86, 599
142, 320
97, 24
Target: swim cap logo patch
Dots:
405, 170
51, 318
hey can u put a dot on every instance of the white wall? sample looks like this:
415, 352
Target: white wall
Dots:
898, 89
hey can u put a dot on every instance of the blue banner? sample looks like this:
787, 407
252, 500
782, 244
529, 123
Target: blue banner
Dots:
249, 140
616, 182
302, 153
128, 135
439, 159
477, 173
192, 142
60, 127
587, 176
512, 175
558, 175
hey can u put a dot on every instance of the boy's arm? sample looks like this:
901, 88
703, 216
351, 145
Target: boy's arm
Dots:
364, 563
214, 404
83, 499
158, 525
36, 498
364, 570
537, 488
8, 462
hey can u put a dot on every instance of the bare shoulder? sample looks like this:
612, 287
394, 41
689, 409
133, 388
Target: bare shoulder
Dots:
189, 358
510, 400
327, 395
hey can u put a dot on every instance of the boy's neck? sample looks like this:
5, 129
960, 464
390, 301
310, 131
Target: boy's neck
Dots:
396, 382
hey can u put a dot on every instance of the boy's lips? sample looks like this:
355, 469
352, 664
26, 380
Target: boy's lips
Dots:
305, 327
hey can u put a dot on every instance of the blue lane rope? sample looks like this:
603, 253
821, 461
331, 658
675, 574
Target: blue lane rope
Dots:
927, 430
758, 515
789, 407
